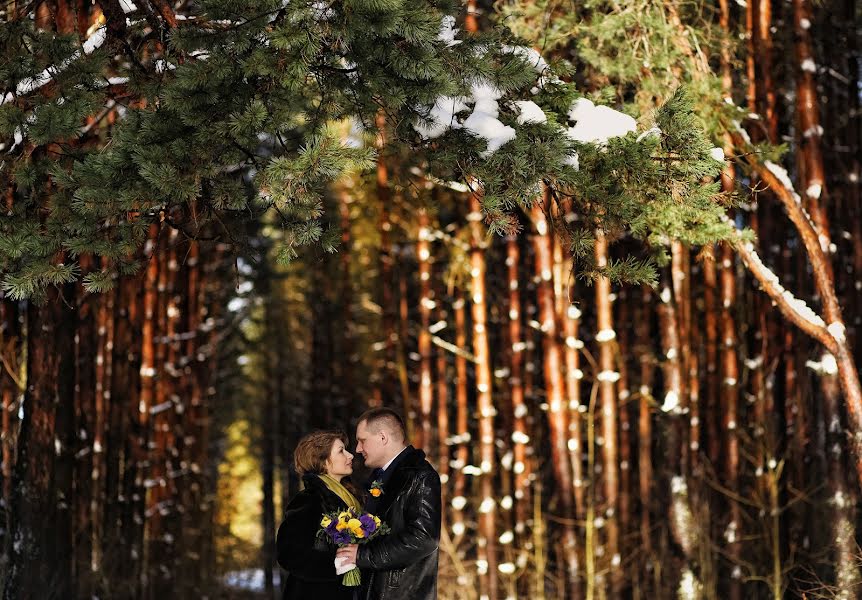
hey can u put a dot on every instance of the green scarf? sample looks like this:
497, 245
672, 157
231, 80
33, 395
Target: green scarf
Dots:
342, 492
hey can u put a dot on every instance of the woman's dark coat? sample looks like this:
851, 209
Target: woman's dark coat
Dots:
309, 561
403, 564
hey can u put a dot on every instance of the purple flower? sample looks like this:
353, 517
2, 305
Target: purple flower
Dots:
341, 537
368, 524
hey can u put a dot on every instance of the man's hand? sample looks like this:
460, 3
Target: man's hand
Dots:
348, 553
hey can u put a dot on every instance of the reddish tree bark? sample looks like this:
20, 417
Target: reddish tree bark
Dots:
41, 560
558, 423
84, 402
385, 388
487, 539
645, 429
426, 305
730, 422
607, 378
520, 435
462, 430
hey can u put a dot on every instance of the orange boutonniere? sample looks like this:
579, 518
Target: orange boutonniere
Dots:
376, 488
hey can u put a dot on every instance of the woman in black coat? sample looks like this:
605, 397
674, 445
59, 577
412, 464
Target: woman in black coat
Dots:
322, 460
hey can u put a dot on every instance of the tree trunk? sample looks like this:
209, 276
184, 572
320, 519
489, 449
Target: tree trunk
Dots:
520, 435
558, 409
84, 405
385, 388
11, 386
607, 378
462, 430
426, 305
487, 538
730, 422
644, 350
41, 559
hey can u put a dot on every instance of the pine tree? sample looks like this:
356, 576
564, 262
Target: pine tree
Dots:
229, 112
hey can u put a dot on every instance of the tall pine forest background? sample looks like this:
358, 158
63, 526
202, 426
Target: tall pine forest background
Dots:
613, 414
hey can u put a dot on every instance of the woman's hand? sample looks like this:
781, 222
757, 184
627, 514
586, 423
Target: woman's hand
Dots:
348, 554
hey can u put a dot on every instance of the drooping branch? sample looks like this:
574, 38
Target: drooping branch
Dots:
794, 309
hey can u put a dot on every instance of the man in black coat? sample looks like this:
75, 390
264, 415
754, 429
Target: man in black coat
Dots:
404, 492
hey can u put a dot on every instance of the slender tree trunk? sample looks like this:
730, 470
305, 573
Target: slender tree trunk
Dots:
487, 546
643, 331
763, 48
624, 349
84, 402
713, 411
143, 482
520, 435
426, 305
673, 405
443, 425
104, 372
608, 377
462, 431
728, 365
554, 389
730, 421
384, 391
347, 379
122, 532
401, 344
269, 425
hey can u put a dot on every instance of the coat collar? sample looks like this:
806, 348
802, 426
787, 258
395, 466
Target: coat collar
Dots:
397, 476
315, 485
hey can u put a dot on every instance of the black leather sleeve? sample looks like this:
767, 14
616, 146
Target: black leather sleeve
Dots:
418, 538
299, 550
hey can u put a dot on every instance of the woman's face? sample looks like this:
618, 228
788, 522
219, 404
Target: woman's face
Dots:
340, 461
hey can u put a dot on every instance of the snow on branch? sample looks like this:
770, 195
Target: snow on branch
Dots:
31, 84
779, 182
795, 309
593, 124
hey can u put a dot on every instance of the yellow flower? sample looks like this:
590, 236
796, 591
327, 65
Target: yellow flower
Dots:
376, 492
377, 521
342, 523
355, 526
325, 521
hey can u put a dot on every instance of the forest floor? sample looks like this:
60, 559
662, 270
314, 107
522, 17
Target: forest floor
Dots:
245, 585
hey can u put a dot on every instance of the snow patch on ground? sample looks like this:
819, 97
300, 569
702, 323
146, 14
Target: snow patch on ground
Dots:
249, 579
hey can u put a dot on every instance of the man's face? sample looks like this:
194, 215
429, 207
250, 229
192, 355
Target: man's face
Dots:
372, 446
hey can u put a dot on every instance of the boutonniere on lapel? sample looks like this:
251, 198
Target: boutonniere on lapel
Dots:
376, 488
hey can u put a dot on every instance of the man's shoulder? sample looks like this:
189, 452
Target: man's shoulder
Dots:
423, 471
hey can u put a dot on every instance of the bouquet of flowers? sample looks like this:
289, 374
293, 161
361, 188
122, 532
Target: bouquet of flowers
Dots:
351, 527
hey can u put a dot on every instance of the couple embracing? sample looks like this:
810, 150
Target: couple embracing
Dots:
403, 492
